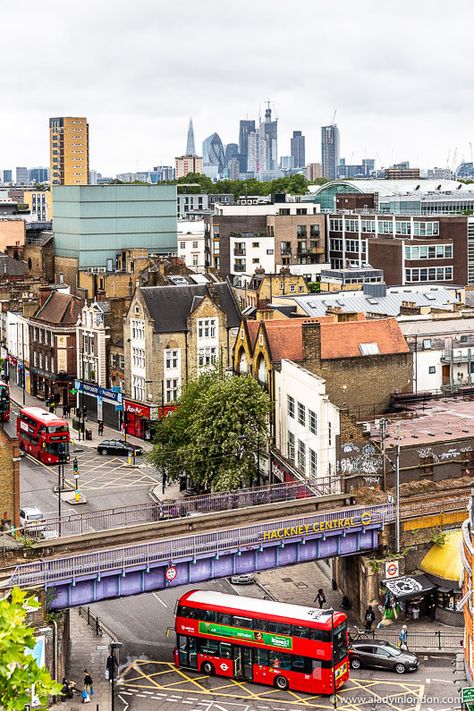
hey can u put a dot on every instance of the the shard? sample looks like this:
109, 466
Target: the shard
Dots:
190, 149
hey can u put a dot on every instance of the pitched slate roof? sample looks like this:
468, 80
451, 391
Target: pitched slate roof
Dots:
169, 306
11, 267
60, 309
343, 340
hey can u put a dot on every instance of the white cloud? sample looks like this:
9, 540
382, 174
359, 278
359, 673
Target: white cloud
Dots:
399, 75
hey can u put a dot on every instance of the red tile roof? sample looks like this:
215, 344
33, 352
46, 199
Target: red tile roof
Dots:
252, 329
285, 336
59, 309
343, 340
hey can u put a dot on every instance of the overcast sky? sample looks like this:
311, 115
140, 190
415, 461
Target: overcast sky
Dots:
399, 74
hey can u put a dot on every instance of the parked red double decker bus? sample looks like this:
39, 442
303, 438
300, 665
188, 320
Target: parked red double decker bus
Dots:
4, 402
286, 646
43, 435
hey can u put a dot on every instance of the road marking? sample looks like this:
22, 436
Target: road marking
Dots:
160, 600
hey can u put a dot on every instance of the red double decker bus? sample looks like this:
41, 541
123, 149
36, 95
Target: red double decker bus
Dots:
286, 646
4, 402
43, 435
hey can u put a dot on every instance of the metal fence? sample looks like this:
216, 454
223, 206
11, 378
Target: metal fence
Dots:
96, 623
437, 640
121, 517
55, 570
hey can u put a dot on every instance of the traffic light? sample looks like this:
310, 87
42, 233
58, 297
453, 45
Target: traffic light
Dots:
62, 451
75, 465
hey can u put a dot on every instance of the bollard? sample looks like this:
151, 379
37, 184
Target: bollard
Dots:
129, 458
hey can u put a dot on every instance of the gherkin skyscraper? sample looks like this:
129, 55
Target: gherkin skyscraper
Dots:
190, 148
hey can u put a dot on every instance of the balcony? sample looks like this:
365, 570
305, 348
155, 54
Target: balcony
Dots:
239, 252
458, 356
239, 267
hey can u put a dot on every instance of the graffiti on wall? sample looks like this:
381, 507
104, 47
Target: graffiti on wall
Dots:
452, 453
364, 460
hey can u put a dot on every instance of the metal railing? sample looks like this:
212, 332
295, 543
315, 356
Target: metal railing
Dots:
438, 640
50, 572
121, 517
91, 619
418, 507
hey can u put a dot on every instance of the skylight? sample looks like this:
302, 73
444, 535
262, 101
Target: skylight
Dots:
369, 349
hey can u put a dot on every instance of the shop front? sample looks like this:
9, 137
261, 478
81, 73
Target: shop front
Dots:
282, 470
140, 420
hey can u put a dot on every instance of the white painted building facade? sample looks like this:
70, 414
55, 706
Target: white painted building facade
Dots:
443, 351
91, 340
250, 253
307, 425
191, 244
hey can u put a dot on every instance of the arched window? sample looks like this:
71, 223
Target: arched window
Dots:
243, 365
262, 371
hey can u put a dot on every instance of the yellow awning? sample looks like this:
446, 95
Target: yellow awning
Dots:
445, 561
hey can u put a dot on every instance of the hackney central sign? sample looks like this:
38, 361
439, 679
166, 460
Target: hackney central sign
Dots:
339, 523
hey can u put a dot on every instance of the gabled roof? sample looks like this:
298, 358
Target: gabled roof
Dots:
170, 306
343, 340
60, 309
252, 329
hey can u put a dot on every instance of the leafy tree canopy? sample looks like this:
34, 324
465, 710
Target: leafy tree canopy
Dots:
215, 434
293, 184
19, 671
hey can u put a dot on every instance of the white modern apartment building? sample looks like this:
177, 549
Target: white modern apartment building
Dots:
91, 339
307, 425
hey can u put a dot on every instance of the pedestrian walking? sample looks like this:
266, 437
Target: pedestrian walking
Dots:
320, 598
369, 618
111, 667
88, 682
100, 428
403, 638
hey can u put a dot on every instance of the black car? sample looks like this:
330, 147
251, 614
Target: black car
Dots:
118, 446
378, 654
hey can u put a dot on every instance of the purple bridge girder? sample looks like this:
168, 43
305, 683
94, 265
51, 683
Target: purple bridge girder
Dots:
83, 590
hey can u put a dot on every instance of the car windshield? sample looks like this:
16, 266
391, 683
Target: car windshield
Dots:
393, 651
34, 517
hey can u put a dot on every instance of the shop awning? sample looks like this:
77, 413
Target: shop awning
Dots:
444, 561
410, 586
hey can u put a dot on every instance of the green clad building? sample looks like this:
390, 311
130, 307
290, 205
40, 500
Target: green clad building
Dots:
92, 223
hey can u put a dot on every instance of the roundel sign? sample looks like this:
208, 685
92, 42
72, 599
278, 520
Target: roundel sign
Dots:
171, 573
391, 569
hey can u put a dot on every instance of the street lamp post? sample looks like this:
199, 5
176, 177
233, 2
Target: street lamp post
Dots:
113, 647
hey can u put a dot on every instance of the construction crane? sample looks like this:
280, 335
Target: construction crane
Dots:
333, 118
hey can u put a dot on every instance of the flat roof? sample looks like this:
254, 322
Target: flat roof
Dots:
387, 188
426, 423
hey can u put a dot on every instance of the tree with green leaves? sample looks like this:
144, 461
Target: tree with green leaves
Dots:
216, 434
19, 671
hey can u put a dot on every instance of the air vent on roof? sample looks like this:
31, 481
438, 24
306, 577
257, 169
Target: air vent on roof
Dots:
430, 297
373, 301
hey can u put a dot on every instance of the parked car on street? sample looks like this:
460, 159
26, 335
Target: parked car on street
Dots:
118, 447
378, 654
243, 579
33, 516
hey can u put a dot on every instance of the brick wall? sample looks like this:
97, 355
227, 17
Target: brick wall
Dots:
364, 385
9, 478
67, 266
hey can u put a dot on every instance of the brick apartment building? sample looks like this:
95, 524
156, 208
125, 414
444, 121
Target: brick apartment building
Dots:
52, 342
411, 249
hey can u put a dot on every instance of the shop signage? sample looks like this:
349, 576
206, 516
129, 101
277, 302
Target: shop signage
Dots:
98, 392
136, 409
392, 569
281, 471
467, 694
332, 524
275, 640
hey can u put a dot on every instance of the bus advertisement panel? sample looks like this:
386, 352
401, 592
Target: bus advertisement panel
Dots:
43, 435
286, 646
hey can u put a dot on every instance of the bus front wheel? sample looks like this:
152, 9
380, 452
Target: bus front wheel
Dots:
208, 668
281, 683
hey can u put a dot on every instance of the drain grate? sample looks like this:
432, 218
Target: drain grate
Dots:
301, 585
287, 580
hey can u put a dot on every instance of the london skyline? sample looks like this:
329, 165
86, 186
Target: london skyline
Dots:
138, 87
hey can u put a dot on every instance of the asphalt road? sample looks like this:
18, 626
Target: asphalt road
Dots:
106, 482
